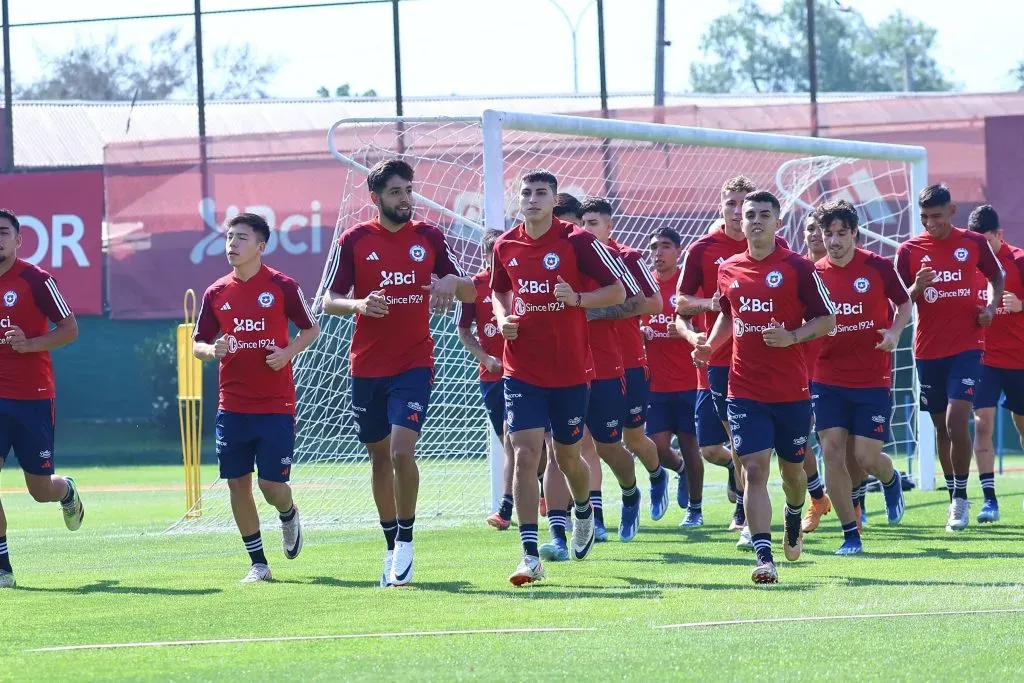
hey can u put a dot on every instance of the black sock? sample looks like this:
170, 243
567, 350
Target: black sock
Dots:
732, 476
528, 535
960, 487
390, 532
815, 488
894, 481
656, 474
631, 495
740, 514
763, 547
69, 495
405, 529
949, 486
556, 524
540, 482
287, 516
988, 485
254, 545
5, 559
850, 531
862, 493
505, 509
595, 502
585, 509
793, 515
694, 505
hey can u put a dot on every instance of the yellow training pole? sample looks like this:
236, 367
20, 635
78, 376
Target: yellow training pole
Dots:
190, 407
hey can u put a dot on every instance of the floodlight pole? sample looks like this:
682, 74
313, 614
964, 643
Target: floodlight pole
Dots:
8, 91
204, 173
812, 67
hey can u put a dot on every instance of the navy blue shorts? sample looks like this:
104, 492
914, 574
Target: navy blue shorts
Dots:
996, 381
606, 409
493, 394
27, 428
380, 403
672, 412
952, 377
758, 426
710, 430
246, 441
638, 384
562, 410
718, 381
861, 412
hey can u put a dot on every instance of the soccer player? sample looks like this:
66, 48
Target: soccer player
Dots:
29, 302
672, 402
487, 346
1002, 364
382, 275
772, 300
545, 273
567, 208
243, 324
851, 388
820, 504
618, 395
939, 268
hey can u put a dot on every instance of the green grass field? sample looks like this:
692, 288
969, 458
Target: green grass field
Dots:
118, 581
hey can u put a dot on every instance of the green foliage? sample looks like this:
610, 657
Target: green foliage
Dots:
157, 359
344, 90
751, 49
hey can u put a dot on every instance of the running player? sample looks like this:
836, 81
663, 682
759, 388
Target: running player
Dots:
30, 302
672, 402
622, 399
567, 208
769, 404
939, 267
820, 504
487, 346
851, 389
545, 273
1002, 364
243, 324
382, 275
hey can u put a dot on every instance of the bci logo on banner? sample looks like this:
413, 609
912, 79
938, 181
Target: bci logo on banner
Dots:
212, 242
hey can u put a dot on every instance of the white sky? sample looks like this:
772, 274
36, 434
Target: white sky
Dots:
495, 46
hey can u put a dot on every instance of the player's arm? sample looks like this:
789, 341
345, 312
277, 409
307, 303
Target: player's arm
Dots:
52, 304
683, 327
988, 264
501, 298
595, 261
721, 332
915, 282
338, 299
897, 293
451, 282
205, 343
646, 302
1011, 301
819, 311
635, 297
691, 277
298, 312
467, 314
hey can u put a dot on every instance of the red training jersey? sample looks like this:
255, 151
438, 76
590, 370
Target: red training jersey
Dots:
482, 312
784, 287
370, 258
947, 310
630, 339
553, 348
253, 314
699, 276
1004, 338
30, 300
668, 356
861, 291
605, 343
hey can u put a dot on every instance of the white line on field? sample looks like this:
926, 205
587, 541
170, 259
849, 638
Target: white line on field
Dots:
838, 617
284, 639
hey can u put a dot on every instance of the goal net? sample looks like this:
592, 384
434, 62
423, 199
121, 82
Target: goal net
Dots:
466, 178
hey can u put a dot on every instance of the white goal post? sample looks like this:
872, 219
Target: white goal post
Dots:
655, 175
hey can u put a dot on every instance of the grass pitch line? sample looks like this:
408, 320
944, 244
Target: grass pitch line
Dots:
838, 617
285, 639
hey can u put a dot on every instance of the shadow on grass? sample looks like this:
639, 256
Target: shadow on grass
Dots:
115, 588
860, 581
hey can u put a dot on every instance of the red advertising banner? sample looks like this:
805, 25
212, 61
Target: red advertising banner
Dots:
61, 216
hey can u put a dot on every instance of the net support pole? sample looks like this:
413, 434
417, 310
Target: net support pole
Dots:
925, 428
494, 218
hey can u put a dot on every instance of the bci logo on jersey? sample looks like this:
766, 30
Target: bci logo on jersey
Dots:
861, 285
846, 308
960, 254
266, 300
949, 276
250, 325
396, 278
551, 260
773, 279
6, 322
534, 287
10, 298
752, 305
417, 253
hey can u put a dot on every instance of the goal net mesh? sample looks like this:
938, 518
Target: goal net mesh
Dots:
651, 185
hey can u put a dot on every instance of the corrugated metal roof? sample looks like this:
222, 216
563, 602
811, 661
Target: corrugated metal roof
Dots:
74, 133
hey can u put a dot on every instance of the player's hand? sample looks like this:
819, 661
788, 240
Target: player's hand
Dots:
277, 357
985, 314
17, 339
510, 327
694, 338
777, 336
889, 341
716, 303
1012, 303
492, 364
220, 348
924, 277
701, 354
563, 292
374, 306
442, 293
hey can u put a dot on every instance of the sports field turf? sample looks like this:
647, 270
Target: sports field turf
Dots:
118, 581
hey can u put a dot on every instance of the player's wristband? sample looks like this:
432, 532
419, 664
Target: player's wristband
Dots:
579, 299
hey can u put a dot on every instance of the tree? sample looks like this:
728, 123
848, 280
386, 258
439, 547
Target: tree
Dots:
752, 49
344, 90
1018, 73
110, 71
